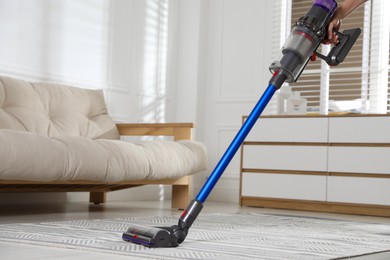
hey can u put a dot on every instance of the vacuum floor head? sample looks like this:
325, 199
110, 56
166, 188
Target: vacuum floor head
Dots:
151, 236
164, 236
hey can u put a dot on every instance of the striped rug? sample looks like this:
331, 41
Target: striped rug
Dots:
215, 236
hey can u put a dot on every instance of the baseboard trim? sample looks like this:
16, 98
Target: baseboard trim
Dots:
319, 206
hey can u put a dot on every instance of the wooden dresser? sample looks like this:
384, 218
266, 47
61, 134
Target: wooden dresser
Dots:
318, 163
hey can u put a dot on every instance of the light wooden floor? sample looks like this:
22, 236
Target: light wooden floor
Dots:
72, 211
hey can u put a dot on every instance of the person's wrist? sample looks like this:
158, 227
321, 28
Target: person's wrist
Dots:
340, 13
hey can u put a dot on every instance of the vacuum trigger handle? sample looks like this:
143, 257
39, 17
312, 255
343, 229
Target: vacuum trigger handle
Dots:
338, 53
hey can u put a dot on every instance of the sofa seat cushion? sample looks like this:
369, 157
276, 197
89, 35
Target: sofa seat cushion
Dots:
36, 157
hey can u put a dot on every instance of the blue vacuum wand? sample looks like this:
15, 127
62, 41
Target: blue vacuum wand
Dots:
308, 33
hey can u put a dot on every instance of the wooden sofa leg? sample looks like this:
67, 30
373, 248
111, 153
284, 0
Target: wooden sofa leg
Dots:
97, 197
180, 196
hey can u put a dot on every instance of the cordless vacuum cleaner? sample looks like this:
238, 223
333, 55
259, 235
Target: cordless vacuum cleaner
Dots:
308, 33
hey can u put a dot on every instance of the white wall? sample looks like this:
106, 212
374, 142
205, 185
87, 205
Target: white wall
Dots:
235, 69
218, 57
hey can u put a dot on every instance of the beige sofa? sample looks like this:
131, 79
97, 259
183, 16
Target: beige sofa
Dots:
60, 138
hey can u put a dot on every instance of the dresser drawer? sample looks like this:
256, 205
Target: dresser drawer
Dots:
359, 190
279, 157
288, 186
359, 129
290, 130
359, 159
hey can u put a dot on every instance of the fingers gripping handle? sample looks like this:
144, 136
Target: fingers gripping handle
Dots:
338, 53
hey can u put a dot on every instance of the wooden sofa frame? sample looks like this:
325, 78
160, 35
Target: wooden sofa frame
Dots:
181, 187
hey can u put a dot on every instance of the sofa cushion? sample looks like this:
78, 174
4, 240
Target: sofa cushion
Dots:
35, 157
54, 110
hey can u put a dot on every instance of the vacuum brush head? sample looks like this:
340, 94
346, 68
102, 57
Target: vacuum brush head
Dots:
164, 236
151, 236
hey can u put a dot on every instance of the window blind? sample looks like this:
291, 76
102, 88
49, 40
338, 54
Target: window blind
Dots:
281, 17
308, 84
153, 95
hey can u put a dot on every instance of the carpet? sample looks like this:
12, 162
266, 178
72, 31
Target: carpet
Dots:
215, 236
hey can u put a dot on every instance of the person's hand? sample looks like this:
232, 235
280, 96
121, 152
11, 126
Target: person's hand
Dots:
331, 37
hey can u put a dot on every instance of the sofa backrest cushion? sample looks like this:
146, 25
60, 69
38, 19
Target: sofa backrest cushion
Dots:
54, 110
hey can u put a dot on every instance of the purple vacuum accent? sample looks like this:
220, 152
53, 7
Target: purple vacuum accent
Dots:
330, 5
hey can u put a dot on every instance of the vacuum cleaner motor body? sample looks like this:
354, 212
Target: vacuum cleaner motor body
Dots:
308, 33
